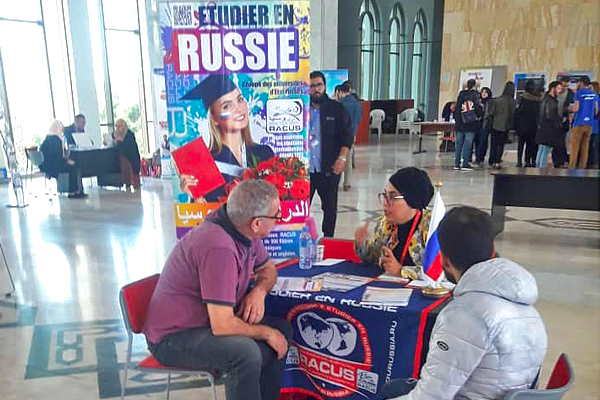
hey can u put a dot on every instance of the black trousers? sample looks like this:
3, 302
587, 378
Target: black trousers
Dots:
253, 370
497, 146
527, 143
559, 153
326, 185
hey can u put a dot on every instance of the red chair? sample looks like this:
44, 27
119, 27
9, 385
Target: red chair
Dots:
560, 382
134, 299
339, 248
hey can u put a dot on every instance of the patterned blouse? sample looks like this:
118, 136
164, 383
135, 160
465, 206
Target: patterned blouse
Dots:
386, 234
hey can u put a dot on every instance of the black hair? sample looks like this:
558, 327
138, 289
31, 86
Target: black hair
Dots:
344, 88
552, 85
465, 237
348, 83
509, 89
338, 88
318, 74
471, 83
565, 79
585, 80
80, 116
530, 86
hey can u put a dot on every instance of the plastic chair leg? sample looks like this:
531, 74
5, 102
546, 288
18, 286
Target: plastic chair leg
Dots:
168, 386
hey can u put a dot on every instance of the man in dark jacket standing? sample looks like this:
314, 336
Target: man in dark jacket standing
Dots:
331, 138
550, 129
354, 109
526, 119
467, 114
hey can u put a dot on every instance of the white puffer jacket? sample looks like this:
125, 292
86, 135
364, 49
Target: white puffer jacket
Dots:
488, 340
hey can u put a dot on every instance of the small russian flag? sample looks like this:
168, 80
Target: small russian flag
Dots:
432, 263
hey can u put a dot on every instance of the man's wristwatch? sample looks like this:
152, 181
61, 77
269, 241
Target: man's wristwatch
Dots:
342, 158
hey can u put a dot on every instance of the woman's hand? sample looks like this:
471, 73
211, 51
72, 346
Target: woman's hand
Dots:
389, 262
185, 181
361, 234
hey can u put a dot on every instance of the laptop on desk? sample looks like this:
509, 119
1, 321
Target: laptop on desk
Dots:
84, 141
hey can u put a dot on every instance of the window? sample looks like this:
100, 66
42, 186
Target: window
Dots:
418, 61
38, 84
121, 68
397, 39
369, 50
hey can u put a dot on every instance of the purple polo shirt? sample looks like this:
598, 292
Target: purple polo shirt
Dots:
211, 264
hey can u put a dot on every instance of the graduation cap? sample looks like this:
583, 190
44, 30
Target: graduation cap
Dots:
210, 89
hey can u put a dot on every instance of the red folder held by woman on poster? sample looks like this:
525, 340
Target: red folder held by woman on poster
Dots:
195, 159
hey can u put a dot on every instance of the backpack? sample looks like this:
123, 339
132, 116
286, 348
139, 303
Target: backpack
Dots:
467, 112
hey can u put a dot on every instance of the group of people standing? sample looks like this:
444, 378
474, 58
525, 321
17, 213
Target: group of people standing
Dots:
541, 121
477, 117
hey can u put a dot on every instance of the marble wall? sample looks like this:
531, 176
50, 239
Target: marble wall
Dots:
525, 35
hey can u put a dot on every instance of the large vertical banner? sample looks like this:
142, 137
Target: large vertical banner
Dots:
237, 78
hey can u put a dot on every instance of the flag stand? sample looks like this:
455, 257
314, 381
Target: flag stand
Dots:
12, 282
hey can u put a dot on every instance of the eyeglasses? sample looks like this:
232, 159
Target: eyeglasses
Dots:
277, 217
389, 198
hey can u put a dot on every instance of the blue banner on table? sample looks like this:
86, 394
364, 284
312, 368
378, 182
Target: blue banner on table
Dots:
343, 348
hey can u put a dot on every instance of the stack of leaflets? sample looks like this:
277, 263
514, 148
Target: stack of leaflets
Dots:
387, 296
286, 284
342, 282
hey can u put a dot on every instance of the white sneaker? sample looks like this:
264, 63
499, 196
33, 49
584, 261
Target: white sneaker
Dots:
456, 168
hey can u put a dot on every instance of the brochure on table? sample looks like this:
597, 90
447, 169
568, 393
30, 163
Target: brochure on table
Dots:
259, 50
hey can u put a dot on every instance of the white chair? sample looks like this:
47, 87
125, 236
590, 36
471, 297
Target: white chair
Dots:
376, 117
406, 119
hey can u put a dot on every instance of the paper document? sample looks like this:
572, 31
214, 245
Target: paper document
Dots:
297, 284
328, 262
392, 278
418, 284
388, 296
342, 282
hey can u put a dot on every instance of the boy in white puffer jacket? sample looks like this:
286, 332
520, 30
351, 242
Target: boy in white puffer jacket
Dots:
489, 339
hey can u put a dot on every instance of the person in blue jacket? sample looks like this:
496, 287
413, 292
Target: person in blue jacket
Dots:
231, 143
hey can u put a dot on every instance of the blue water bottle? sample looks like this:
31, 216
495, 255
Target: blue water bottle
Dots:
305, 249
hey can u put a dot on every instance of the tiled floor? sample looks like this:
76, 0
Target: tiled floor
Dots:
61, 334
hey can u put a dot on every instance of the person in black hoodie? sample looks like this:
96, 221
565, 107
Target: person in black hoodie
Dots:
526, 118
482, 142
550, 128
467, 114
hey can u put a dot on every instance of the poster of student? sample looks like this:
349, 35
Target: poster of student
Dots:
539, 80
482, 76
334, 77
237, 78
574, 77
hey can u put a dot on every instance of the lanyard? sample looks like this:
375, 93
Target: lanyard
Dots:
410, 235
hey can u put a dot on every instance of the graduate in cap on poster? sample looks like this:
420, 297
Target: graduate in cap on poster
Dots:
231, 143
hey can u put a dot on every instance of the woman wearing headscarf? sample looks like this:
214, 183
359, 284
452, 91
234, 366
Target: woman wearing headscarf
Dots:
55, 163
129, 154
501, 119
400, 235
482, 135
231, 143
526, 124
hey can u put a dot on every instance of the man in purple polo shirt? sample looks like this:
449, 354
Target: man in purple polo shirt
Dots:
202, 315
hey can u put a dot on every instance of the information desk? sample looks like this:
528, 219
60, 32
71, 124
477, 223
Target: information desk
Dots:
344, 349
429, 128
102, 163
565, 189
